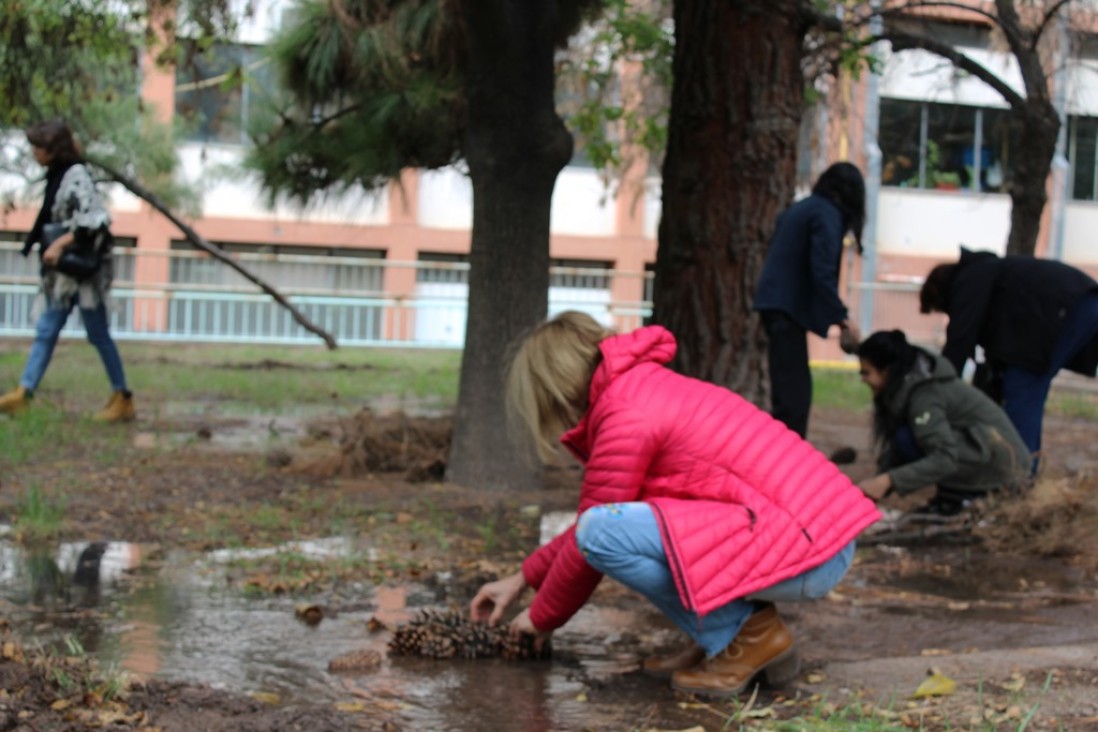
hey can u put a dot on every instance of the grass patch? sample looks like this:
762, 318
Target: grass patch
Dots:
1073, 405
840, 389
37, 515
264, 378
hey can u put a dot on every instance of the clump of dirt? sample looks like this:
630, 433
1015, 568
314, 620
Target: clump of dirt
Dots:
1055, 518
395, 443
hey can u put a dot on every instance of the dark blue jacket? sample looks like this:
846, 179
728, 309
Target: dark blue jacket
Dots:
801, 274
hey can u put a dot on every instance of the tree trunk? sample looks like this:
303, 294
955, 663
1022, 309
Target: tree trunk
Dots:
730, 168
515, 147
1036, 127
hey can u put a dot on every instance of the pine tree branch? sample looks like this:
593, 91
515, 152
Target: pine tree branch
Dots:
200, 242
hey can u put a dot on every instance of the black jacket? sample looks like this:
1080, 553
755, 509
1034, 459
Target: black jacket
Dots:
801, 274
1015, 308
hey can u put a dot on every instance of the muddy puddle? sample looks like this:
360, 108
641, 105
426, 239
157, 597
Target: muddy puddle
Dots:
173, 617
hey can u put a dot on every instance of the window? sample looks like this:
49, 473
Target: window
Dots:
1082, 153
277, 269
930, 145
216, 89
443, 268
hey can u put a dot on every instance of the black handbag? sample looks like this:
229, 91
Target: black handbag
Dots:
80, 260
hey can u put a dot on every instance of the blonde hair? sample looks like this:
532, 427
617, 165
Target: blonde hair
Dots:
549, 378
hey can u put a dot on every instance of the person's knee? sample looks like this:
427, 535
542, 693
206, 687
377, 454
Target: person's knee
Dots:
588, 527
597, 533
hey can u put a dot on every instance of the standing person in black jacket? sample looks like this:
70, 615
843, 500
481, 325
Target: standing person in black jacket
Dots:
1031, 316
798, 291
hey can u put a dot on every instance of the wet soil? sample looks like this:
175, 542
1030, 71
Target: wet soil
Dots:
211, 635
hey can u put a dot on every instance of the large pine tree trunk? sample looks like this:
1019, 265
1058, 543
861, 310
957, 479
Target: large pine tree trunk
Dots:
516, 145
731, 159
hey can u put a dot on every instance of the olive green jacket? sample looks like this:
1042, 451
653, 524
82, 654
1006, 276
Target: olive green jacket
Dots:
968, 441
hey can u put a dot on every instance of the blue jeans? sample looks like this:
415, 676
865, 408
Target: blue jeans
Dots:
622, 540
48, 329
1025, 391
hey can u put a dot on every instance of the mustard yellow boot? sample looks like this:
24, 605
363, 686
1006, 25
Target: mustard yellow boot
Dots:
14, 401
118, 409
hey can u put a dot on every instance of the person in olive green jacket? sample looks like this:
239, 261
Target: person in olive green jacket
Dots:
934, 429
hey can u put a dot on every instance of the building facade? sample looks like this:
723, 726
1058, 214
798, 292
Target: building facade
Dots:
942, 148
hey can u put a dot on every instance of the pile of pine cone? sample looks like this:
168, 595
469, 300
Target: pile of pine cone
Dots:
450, 634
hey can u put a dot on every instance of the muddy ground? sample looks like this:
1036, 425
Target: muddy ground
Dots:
1011, 623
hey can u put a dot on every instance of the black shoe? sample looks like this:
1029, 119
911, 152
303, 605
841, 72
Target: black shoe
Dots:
941, 506
843, 456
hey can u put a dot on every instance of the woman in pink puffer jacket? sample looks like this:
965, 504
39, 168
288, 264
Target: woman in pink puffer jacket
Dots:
691, 496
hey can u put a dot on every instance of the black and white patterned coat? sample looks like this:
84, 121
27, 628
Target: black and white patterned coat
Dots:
79, 206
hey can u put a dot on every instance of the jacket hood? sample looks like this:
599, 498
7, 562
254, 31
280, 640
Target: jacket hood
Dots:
968, 256
927, 368
620, 353
652, 344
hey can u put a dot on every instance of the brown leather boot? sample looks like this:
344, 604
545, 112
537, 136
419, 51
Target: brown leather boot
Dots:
118, 409
763, 645
14, 401
663, 666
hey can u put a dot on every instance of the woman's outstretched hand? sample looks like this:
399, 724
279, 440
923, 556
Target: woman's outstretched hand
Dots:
876, 487
521, 625
493, 599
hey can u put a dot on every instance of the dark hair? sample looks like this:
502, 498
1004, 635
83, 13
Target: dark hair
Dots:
55, 137
934, 295
887, 351
843, 185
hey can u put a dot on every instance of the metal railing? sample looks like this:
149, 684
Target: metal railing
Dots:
188, 296
184, 295
896, 305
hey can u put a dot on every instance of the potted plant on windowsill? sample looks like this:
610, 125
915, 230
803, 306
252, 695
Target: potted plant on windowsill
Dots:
945, 180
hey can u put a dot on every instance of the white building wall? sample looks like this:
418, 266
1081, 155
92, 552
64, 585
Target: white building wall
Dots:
582, 205
934, 224
445, 199
922, 76
236, 195
1080, 225
653, 207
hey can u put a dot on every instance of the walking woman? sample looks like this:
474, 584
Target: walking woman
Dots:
798, 291
691, 496
934, 429
71, 200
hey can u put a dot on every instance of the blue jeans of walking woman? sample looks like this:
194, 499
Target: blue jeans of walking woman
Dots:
47, 331
622, 540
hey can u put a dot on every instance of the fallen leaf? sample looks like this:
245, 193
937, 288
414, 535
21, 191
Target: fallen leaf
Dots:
935, 652
815, 678
350, 706
264, 696
309, 614
582, 696
935, 685
60, 705
1017, 683
760, 713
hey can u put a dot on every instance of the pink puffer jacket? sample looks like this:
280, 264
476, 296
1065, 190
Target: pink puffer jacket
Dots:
743, 502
